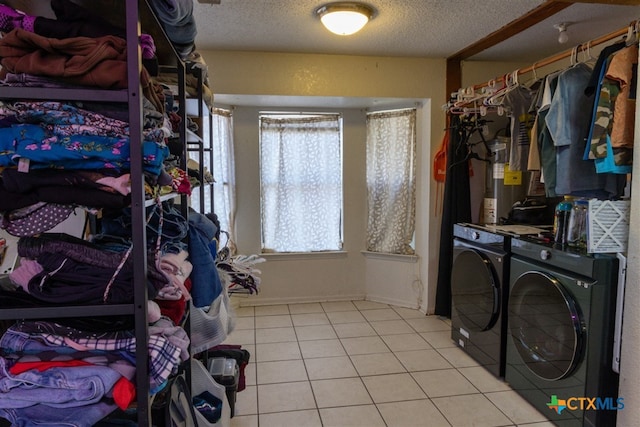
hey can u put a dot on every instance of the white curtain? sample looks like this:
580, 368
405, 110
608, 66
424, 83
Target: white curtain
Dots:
224, 188
301, 183
391, 181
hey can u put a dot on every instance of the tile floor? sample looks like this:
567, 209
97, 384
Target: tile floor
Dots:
364, 364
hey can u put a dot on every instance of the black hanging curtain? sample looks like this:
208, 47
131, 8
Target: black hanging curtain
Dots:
456, 208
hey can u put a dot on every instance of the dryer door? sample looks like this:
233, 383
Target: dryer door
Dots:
546, 325
475, 292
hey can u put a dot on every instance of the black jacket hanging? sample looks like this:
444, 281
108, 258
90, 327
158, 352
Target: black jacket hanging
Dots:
456, 208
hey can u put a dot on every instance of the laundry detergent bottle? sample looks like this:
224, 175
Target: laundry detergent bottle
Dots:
561, 220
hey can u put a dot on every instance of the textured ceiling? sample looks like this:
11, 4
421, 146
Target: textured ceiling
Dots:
418, 28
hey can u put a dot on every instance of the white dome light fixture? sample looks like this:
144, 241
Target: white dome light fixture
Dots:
563, 37
345, 18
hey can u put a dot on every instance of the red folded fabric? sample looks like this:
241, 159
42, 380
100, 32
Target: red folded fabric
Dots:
21, 367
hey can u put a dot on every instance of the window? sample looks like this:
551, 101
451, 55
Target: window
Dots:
224, 188
301, 182
391, 181
218, 164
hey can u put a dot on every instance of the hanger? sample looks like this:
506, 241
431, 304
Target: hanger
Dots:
482, 110
496, 98
468, 127
632, 33
574, 55
491, 88
470, 101
468, 96
511, 83
534, 75
588, 59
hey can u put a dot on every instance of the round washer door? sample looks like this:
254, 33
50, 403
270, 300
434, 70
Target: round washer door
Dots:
475, 292
545, 324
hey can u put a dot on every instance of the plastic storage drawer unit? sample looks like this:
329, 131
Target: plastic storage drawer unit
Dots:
225, 372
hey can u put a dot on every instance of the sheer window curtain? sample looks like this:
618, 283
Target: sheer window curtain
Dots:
224, 188
391, 181
301, 182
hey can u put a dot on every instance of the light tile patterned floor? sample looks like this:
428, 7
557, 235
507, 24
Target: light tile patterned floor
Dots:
364, 364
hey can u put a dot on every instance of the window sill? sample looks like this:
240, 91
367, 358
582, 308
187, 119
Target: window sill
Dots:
295, 256
390, 257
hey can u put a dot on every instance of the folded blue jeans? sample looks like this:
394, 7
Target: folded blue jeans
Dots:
16, 341
46, 416
67, 387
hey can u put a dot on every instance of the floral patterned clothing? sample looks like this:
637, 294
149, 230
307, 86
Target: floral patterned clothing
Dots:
44, 149
67, 120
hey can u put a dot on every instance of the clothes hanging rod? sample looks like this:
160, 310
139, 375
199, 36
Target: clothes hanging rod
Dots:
566, 54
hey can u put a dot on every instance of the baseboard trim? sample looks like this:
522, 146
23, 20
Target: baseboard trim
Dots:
253, 301
395, 302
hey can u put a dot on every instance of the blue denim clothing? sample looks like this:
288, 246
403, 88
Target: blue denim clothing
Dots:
46, 416
205, 281
22, 342
67, 387
567, 121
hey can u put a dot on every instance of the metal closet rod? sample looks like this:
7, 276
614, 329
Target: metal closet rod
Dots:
566, 54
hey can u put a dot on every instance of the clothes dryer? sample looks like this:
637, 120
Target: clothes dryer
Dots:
479, 288
561, 316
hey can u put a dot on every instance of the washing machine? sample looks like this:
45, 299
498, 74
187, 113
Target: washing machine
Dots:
479, 288
561, 317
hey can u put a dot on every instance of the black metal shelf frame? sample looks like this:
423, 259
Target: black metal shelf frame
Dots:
135, 11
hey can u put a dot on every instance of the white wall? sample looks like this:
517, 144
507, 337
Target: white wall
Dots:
345, 77
629, 360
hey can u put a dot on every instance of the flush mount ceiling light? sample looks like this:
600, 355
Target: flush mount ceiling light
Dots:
345, 18
563, 37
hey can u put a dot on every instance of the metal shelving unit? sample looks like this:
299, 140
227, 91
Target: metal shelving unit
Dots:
201, 144
137, 14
